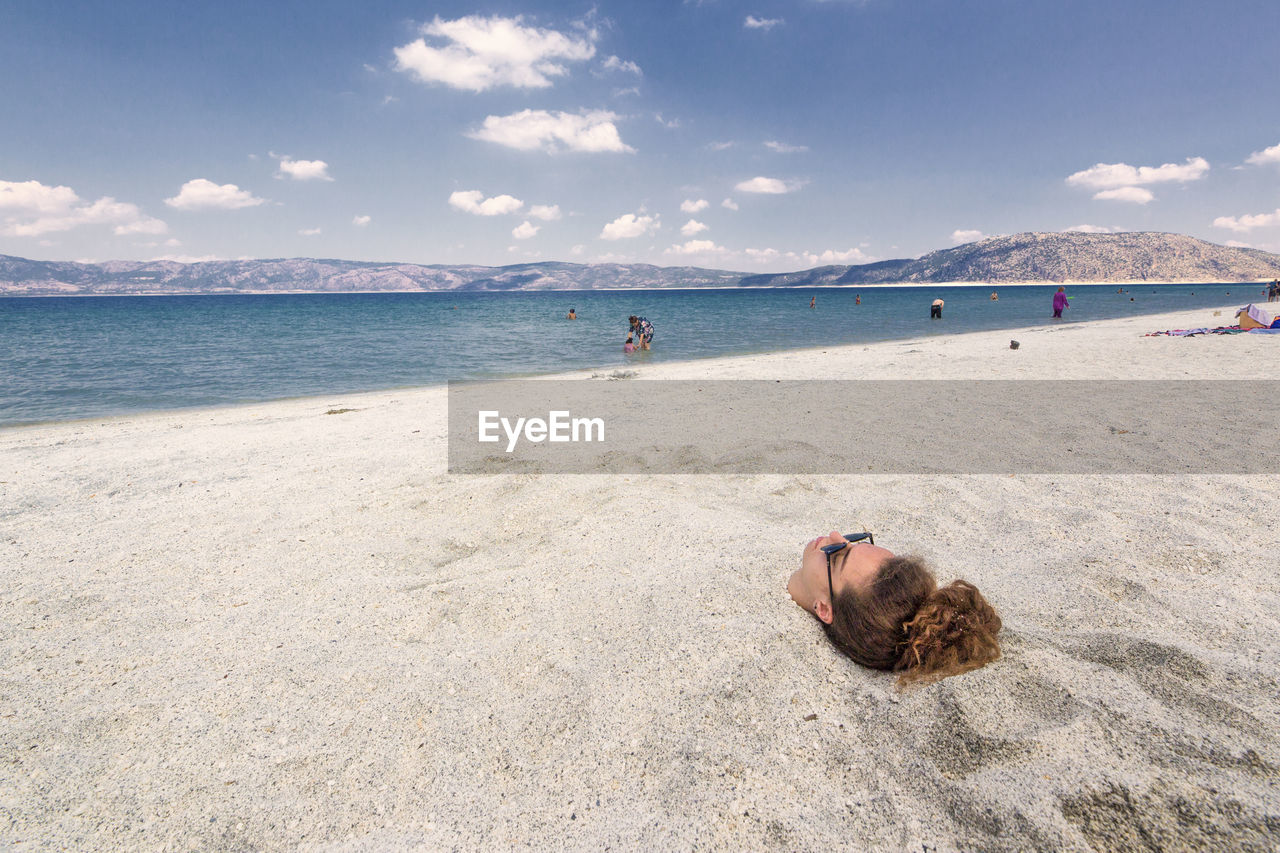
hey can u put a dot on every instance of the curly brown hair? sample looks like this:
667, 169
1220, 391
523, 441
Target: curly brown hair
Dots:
903, 622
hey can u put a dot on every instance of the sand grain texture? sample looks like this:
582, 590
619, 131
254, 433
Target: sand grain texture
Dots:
269, 627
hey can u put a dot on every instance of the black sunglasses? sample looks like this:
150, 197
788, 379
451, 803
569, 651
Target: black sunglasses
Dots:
835, 548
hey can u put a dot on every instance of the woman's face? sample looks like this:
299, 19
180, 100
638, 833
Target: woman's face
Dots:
854, 566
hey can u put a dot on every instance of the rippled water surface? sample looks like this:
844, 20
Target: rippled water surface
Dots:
75, 357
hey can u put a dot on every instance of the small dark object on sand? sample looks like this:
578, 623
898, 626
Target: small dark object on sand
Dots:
1014, 344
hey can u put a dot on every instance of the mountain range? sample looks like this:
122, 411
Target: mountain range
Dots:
1057, 257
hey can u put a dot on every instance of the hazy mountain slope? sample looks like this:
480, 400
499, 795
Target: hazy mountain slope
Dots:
1051, 257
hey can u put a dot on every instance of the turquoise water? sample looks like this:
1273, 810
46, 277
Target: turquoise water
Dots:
77, 357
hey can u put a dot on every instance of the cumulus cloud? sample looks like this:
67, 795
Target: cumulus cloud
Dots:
613, 63
473, 201
961, 235
1265, 156
695, 247
784, 148
476, 53
629, 225
30, 209
1091, 229
1122, 182
545, 212
301, 170
690, 205
578, 250
692, 227
768, 186
1137, 195
309, 232
361, 221
201, 194
1248, 222
835, 256
766, 24
729, 204
524, 230
530, 130
763, 256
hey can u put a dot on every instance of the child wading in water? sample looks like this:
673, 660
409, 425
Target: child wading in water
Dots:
628, 347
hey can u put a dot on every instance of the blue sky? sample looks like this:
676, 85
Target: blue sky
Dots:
741, 135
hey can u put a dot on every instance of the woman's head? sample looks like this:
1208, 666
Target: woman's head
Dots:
633, 319
886, 611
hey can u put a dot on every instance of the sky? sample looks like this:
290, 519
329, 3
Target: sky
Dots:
768, 135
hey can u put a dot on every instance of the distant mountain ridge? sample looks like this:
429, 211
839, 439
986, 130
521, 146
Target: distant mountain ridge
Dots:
1125, 258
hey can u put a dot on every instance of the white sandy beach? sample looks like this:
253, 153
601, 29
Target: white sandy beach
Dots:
268, 627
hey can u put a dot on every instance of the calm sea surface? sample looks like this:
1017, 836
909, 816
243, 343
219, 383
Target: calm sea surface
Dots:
77, 357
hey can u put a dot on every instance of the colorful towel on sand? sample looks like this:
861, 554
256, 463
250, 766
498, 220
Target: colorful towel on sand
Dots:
1220, 330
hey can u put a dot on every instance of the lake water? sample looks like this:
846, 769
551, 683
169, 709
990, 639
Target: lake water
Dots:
77, 357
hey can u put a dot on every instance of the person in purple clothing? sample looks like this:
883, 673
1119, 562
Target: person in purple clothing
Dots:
1059, 302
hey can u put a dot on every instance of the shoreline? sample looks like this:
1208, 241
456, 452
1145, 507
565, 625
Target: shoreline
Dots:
875, 286
683, 366
268, 627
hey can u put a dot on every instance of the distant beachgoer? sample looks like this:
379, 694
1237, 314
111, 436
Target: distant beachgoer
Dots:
1059, 302
857, 299
886, 612
813, 302
573, 315
643, 330
935, 310
629, 347
995, 297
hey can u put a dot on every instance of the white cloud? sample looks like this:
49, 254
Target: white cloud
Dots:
690, 205
1122, 182
729, 204
763, 256
477, 53
1137, 195
834, 256
667, 123
720, 146
524, 230
578, 250
766, 24
695, 247
629, 90
529, 130
545, 212
784, 148
302, 170
692, 227
1237, 244
473, 201
961, 235
1265, 156
1091, 229
629, 225
361, 221
1248, 222
30, 209
309, 232
613, 63
201, 194
768, 186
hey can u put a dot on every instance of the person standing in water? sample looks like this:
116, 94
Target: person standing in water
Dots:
935, 310
857, 299
813, 302
573, 315
1059, 302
